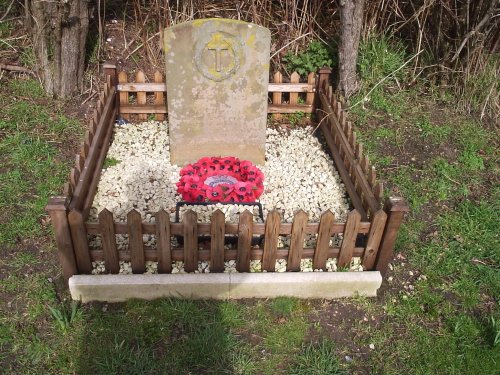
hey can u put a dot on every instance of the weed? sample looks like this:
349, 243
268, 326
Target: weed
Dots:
4, 30
471, 161
317, 55
378, 57
386, 133
28, 58
385, 161
296, 119
319, 359
494, 331
22, 260
66, 316
434, 132
284, 306
110, 162
480, 91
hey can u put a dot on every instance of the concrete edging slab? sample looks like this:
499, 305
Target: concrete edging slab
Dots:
119, 288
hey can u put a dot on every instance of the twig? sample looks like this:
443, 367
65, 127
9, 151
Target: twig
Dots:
141, 45
89, 97
386, 77
321, 121
4, 42
486, 18
7, 11
286, 45
15, 68
487, 99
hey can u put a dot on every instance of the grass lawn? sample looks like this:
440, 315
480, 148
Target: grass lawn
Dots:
437, 312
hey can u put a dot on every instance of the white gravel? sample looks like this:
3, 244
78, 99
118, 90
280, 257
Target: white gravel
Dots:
298, 175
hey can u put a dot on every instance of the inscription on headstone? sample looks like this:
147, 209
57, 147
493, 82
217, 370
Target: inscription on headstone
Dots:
217, 74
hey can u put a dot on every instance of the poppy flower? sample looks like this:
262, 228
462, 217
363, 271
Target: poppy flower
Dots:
204, 162
214, 194
215, 179
188, 170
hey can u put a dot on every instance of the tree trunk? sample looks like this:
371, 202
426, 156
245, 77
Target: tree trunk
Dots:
351, 20
58, 29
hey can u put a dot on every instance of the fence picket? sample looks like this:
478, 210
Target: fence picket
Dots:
159, 96
378, 191
109, 241
190, 221
271, 234
74, 176
217, 234
163, 250
372, 176
68, 189
84, 151
297, 241
374, 237
294, 96
277, 96
311, 80
359, 151
245, 227
349, 241
141, 95
135, 243
122, 78
79, 162
100, 105
325, 232
80, 242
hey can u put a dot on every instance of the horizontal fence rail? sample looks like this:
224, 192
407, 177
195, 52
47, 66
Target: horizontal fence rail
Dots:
369, 232
284, 97
243, 232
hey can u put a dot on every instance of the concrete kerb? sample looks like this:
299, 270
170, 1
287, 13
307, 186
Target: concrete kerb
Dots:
222, 286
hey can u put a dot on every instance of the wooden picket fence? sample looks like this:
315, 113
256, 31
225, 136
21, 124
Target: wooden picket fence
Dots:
369, 231
139, 99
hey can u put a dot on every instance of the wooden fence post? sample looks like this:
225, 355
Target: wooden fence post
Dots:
57, 210
323, 76
395, 209
110, 70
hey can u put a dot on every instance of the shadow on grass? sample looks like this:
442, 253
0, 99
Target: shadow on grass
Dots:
168, 336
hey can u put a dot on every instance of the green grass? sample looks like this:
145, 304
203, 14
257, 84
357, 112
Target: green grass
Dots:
446, 323
317, 359
32, 164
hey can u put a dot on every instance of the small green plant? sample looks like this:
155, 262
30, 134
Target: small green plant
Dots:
28, 58
110, 162
284, 306
295, 119
429, 130
4, 29
379, 57
385, 161
384, 133
494, 331
66, 316
469, 160
317, 55
319, 359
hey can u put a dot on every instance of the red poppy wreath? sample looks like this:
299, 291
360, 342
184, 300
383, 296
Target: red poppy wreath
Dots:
228, 179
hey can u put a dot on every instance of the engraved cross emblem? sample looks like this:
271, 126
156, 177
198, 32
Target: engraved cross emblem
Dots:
217, 55
218, 44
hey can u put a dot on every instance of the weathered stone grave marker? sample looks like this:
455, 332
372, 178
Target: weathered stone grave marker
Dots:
217, 73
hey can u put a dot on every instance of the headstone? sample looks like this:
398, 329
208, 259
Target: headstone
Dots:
217, 74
